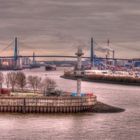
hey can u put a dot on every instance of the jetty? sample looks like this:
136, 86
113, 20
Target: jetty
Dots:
60, 104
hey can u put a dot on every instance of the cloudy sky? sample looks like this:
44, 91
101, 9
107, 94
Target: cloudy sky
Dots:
59, 26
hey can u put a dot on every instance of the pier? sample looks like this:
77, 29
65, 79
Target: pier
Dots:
66, 104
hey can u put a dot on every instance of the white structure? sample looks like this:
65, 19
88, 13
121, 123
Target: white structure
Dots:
78, 71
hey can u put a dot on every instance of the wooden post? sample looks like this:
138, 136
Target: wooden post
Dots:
24, 106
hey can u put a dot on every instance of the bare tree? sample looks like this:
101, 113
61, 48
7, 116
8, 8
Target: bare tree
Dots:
48, 85
11, 78
21, 80
34, 82
1, 79
7, 81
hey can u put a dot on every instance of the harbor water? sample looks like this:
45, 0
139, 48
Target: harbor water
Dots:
80, 126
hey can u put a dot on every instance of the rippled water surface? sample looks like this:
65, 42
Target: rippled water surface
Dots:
84, 126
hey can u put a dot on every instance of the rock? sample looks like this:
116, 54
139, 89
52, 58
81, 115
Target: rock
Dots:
100, 107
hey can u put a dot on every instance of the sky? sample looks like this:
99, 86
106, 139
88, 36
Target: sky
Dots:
60, 26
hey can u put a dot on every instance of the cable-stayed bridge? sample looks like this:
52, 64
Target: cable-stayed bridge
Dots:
94, 46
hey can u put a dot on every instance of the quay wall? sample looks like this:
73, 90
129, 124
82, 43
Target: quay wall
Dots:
66, 104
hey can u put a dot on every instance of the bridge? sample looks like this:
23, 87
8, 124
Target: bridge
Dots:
93, 46
59, 56
16, 44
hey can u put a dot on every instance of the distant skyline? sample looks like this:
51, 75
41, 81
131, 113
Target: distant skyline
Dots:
59, 26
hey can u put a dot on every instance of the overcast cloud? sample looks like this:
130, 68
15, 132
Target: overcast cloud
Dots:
59, 26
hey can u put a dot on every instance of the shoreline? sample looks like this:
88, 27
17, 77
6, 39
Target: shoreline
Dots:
101, 81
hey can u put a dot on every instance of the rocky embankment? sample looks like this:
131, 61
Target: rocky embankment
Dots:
100, 107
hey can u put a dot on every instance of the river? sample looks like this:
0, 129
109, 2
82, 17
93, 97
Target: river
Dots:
82, 126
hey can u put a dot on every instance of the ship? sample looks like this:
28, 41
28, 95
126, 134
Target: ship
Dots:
49, 67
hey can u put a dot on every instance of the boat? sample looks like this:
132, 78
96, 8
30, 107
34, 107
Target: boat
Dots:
50, 67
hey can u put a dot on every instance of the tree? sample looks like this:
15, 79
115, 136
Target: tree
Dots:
34, 82
49, 86
7, 81
21, 80
11, 79
1, 79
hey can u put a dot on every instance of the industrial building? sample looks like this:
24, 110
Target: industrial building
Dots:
11, 64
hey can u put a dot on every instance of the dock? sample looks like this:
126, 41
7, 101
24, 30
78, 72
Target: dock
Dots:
60, 104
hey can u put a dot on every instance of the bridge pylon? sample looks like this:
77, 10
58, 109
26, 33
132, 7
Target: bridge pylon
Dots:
33, 61
16, 52
92, 52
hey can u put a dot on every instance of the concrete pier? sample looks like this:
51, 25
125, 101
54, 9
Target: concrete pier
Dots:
66, 104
